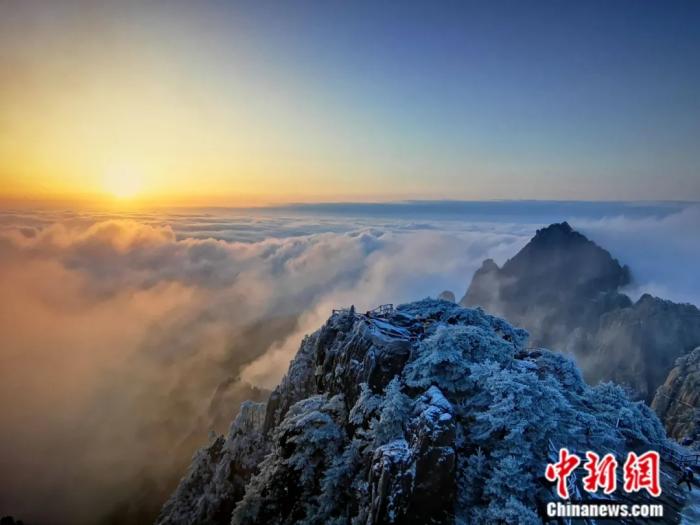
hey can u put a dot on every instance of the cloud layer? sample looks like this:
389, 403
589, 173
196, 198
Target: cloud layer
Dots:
125, 337
118, 330
662, 251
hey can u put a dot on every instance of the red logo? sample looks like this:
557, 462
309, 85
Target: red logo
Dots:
601, 473
561, 471
642, 472
639, 472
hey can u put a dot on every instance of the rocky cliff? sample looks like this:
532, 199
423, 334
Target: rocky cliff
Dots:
558, 282
677, 401
565, 290
429, 413
637, 346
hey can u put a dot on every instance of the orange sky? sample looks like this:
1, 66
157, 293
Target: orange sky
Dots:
226, 104
101, 108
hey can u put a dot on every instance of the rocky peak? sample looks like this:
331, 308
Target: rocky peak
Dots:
427, 413
637, 346
488, 266
559, 281
564, 289
556, 234
560, 257
677, 401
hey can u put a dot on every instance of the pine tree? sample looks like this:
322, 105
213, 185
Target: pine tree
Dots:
445, 358
395, 406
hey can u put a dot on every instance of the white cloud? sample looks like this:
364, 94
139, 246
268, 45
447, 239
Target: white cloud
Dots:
662, 251
115, 329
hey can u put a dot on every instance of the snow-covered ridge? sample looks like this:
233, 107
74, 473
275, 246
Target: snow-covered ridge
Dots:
427, 413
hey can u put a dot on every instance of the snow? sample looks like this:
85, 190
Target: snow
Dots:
435, 397
463, 423
396, 451
384, 329
691, 513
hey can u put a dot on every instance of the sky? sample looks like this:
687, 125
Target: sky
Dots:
249, 103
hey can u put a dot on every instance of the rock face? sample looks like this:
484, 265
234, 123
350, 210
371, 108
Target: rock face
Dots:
447, 295
564, 289
638, 345
558, 282
218, 474
677, 401
431, 413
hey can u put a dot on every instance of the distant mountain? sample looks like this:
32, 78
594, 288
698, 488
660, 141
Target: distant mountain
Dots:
565, 290
429, 413
558, 282
638, 345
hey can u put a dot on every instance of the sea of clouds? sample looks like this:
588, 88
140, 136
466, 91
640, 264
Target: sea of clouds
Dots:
124, 336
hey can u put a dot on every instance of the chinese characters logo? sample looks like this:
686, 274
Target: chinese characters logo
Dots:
639, 472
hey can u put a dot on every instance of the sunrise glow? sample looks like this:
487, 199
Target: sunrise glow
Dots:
122, 183
233, 104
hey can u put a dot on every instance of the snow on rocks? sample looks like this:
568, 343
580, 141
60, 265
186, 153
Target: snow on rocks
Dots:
433, 413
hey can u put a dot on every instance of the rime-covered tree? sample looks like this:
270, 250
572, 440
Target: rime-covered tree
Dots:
394, 411
445, 358
461, 432
304, 446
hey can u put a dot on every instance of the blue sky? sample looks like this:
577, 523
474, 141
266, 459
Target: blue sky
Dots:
590, 97
363, 101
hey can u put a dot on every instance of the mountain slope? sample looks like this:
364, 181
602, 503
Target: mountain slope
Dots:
431, 413
559, 281
564, 289
637, 346
677, 401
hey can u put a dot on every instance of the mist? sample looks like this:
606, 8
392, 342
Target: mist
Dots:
126, 338
662, 251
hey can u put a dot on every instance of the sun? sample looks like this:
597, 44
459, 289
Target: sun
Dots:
122, 183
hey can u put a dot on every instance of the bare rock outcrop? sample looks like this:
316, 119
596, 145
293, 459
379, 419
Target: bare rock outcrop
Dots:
447, 295
677, 401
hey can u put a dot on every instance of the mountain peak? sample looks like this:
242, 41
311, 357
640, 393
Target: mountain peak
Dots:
489, 265
398, 417
555, 228
564, 290
558, 264
560, 237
